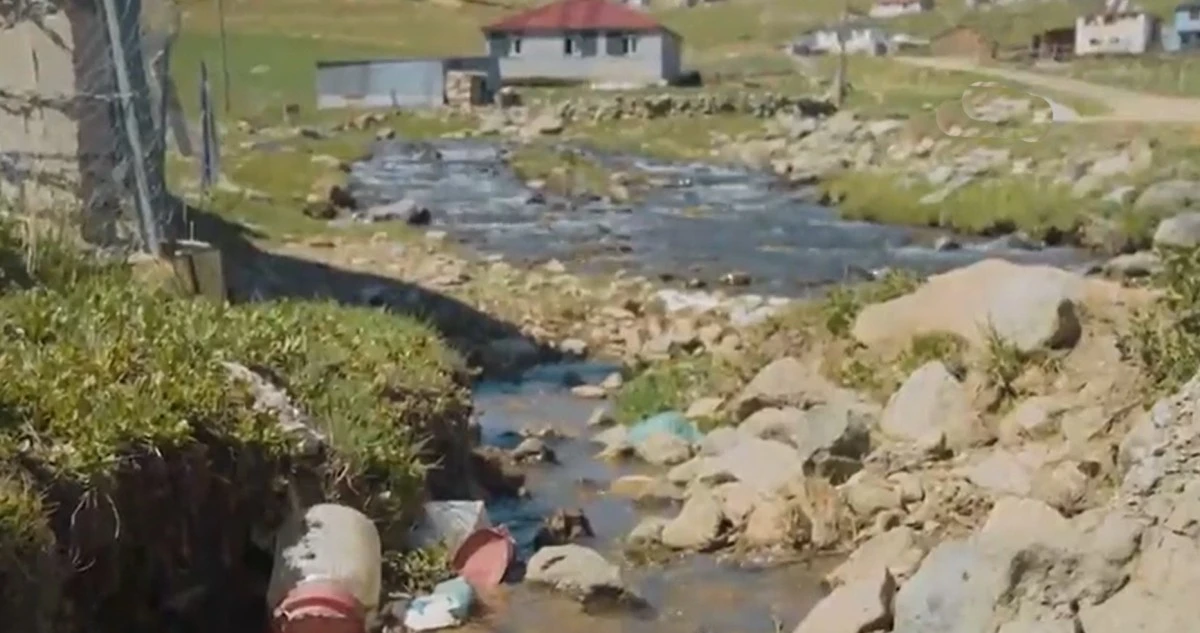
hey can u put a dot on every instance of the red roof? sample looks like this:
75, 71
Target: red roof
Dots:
577, 15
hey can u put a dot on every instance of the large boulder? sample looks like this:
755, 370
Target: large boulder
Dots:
932, 406
862, 606
1028, 307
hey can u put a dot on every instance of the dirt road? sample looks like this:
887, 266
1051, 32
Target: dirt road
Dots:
1124, 105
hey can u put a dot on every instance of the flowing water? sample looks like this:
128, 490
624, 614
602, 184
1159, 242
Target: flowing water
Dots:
697, 593
699, 221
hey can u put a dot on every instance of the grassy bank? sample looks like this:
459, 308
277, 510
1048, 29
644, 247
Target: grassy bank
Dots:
127, 444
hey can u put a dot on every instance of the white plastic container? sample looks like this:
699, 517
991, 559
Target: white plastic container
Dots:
328, 543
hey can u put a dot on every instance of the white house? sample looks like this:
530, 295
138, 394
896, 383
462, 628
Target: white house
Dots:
1125, 32
893, 8
857, 37
585, 40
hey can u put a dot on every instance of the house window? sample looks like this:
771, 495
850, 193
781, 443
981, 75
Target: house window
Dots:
1194, 14
621, 44
514, 46
570, 46
1094, 42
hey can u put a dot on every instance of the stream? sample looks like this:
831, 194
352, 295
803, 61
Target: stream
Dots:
696, 221
697, 593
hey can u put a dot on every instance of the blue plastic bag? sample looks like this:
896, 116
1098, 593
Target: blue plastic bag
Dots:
672, 422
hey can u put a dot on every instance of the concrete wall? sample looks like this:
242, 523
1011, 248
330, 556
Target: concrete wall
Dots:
1099, 34
544, 56
58, 150
395, 83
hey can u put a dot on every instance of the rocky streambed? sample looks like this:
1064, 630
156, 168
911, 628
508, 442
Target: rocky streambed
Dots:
696, 592
702, 224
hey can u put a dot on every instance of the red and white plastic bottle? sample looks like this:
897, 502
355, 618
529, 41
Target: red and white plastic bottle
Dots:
326, 577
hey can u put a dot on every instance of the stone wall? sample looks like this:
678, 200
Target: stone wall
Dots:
655, 106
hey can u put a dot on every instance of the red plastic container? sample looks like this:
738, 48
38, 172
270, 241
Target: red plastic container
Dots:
483, 558
318, 607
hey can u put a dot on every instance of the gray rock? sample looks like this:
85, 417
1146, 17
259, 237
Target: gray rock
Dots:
931, 406
664, 449
1182, 230
648, 531
1170, 195
764, 465
698, 525
774, 521
862, 606
896, 550
719, 440
574, 569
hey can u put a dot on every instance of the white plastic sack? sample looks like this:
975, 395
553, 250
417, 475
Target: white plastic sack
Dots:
450, 522
428, 613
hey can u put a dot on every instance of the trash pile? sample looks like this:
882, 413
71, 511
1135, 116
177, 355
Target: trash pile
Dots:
328, 567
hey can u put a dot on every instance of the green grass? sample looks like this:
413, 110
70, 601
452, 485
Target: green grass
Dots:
1177, 75
988, 206
110, 385
562, 171
670, 386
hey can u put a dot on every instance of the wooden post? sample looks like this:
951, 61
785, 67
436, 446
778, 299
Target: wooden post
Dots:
839, 94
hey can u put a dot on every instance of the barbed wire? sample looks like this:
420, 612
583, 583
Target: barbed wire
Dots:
82, 87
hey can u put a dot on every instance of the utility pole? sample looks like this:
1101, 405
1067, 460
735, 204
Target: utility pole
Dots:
224, 55
117, 32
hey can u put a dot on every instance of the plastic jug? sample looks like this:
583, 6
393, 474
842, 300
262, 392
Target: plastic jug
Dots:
328, 564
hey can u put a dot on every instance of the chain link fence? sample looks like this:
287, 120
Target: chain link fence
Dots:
84, 87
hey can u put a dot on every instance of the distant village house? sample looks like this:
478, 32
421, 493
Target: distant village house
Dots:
1115, 32
1056, 43
893, 8
585, 40
1183, 32
857, 37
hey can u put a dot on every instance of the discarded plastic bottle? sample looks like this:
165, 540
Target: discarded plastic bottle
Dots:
326, 577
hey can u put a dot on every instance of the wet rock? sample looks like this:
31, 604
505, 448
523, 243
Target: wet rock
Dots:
1028, 307
774, 521
737, 501
643, 489
496, 472
546, 123
612, 382
648, 531
534, 450
614, 437
931, 407
664, 449
562, 527
601, 417
575, 570
698, 525
573, 347
1182, 230
896, 550
509, 355
861, 606
593, 392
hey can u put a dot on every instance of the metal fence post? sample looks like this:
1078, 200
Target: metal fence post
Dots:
116, 36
